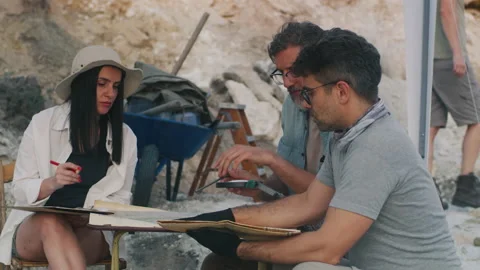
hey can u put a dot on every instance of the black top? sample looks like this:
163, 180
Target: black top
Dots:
94, 165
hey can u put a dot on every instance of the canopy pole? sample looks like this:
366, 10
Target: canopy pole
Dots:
419, 69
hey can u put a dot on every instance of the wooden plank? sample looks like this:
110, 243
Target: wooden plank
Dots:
202, 166
231, 106
240, 136
213, 152
8, 172
246, 124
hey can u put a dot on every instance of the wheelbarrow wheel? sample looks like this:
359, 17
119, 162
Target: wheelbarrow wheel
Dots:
146, 175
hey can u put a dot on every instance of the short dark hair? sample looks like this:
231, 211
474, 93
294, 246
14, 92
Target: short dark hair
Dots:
343, 55
84, 117
294, 34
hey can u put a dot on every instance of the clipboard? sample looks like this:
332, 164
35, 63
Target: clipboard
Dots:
62, 210
244, 231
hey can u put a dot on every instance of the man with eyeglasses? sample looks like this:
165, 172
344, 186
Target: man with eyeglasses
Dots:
302, 143
374, 191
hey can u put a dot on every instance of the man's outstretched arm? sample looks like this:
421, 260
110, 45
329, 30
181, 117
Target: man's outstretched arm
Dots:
340, 231
297, 179
290, 212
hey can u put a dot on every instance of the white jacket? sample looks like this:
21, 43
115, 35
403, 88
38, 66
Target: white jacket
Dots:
47, 138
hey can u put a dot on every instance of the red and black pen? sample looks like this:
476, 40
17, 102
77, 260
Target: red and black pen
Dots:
56, 164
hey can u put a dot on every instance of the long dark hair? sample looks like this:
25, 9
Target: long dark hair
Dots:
85, 122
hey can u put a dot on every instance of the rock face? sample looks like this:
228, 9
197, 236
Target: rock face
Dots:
20, 99
263, 116
247, 76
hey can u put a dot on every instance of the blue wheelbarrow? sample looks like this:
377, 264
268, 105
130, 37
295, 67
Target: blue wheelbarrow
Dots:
161, 141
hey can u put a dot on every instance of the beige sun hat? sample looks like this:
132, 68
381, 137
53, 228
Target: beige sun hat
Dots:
95, 56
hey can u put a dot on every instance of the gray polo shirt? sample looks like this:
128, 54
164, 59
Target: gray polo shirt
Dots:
380, 175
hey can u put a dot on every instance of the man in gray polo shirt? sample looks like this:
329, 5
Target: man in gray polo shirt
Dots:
374, 190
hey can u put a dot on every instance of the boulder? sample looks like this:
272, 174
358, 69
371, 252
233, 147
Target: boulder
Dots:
217, 85
264, 68
246, 75
264, 119
219, 92
132, 34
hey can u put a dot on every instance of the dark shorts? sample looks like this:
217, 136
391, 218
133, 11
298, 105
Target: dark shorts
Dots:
14, 243
459, 96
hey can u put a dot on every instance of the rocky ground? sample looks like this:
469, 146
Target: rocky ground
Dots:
41, 37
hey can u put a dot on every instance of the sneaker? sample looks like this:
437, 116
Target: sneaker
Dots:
442, 201
468, 191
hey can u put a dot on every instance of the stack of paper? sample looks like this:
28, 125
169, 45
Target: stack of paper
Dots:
132, 216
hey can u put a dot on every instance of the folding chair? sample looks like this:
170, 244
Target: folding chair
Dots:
6, 175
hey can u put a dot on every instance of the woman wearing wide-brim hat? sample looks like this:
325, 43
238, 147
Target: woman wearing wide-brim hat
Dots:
72, 155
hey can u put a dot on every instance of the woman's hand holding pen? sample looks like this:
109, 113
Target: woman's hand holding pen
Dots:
66, 174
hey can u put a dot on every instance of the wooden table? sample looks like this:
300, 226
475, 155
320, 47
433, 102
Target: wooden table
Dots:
120, 231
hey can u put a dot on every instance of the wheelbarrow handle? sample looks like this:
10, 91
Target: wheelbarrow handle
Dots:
170, 106
228, 125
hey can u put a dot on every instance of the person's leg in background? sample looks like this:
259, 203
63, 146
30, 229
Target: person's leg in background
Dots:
470, 148
431, 148
468, 184
461, 97
438, 119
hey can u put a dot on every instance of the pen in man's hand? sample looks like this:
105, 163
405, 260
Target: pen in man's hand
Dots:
215, 181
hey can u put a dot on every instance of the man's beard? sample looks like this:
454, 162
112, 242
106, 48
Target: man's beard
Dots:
292, 88
296, 97
322, 126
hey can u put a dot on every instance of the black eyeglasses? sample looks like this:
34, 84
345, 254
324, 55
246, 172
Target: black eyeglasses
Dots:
305, 91
277, 76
